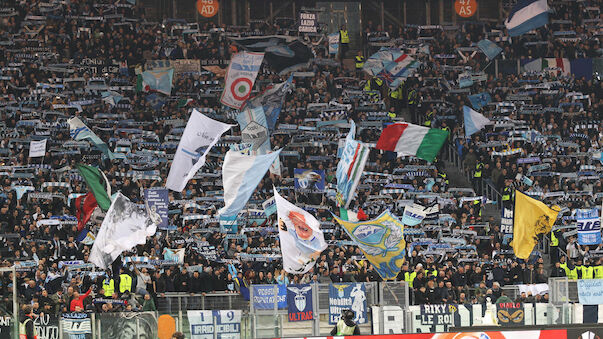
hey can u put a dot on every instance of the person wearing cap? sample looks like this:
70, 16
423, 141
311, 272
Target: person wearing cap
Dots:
346, 324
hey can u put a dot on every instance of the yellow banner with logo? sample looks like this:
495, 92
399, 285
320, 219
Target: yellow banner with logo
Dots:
381, 240
530, 218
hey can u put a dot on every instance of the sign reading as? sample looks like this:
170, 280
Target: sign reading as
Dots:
465, 8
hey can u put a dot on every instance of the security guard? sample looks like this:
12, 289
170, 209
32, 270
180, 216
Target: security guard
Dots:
554, 246
344, 42
109, 287
477, 174
396, 98
579, 267
572, 274
27, 330
346, 324
599, 270
428, 117
359, 58
125, 282
413, 98
563, 265
392, 113
588, 271
507, 192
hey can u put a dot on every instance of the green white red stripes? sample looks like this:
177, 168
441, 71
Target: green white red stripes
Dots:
412, 140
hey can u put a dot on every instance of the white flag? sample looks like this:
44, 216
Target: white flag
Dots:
200, 135
125, 226
240, 76
37, 148
302, 241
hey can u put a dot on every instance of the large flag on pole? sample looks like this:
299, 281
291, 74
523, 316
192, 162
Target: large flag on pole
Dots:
350, 167
272, 101
412, 140
489, 48
79, 131
125, 226
530, 218
301, 239
97, 183
240, 77
156, 80
200, 135
241, 174
381, 240
527, 15
84, 206
474, 121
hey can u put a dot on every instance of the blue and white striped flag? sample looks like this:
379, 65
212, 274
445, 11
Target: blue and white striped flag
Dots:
527, 15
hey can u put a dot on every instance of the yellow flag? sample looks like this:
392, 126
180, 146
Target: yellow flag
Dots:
530, 218
381, 240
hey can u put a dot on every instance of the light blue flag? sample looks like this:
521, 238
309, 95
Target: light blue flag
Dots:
527, 15
489, 48
79, 131
465, 80
480, 100
159, 81
254, 128
272, 101
241, 174
350, 167
473, 121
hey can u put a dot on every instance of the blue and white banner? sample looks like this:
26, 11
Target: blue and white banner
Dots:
79, 131
333, 43
589, 226
76, 325
240, 77
413, 215
527, 15
226, 324
506, 224
590, 291
158, 201
269, 207
264, 298
309, 180
489, 48
479, 100
350, 167
299, 302
465, 80
350, 296
272, 101
158, 81
254, 130
241, 174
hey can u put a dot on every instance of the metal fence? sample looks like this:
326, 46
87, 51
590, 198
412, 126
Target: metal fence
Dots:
563, 291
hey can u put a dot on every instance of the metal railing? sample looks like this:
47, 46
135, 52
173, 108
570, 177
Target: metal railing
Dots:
483, 187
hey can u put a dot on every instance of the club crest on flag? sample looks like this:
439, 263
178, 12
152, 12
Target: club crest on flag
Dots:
381, 240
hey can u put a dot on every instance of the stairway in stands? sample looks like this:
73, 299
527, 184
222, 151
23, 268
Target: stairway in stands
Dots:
458, 178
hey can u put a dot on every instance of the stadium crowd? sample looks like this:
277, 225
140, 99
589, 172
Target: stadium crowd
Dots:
456, 256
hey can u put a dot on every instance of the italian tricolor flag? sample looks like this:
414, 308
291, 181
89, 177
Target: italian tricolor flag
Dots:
350, 215
412, 140
537, 65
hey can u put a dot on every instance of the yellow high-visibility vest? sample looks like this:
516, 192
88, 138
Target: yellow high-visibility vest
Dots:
598, 272
125, 283
554, 240
345, 38
109, 287
359, 61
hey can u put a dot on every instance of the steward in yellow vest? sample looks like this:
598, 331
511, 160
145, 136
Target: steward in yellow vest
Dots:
359, 61
346, 324
125, 283
109, 287
27, 330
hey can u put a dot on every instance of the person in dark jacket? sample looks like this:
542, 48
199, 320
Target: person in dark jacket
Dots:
557, 271
195, 283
